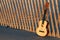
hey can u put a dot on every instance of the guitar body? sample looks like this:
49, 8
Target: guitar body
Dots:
41, 30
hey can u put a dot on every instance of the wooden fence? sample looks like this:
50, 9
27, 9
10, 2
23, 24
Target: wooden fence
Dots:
25, 15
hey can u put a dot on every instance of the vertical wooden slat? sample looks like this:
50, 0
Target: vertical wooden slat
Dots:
39, 11
59, 23
11, 18
49, 24
4, 15
1, 14
42, 7
29, 4
14, 15
58, 18
26, 15
22, 13
6, 12
57, 33
19, 17
29, 1
50, 13
17, 14
31, 12
53, 32
11, 15
39, 8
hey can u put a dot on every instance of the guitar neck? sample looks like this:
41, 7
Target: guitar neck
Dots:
44, 14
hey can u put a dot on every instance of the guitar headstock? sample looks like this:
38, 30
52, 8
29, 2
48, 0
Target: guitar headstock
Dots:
46, 5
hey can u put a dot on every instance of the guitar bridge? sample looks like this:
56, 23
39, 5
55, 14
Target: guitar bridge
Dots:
41, 31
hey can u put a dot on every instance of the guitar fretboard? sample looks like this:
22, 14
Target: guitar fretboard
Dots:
25, 15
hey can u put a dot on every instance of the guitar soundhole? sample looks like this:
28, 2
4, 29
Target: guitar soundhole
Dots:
42, 25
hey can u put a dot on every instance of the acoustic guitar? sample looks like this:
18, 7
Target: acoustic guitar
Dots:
42, 30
